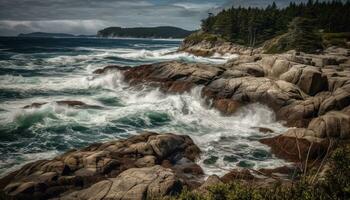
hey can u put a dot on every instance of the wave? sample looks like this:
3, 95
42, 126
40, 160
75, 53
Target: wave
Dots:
226, 142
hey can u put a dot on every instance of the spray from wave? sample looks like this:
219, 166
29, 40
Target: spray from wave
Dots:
43, 132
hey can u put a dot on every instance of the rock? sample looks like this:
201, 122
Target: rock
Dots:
110, 68
133, 184
147, 161
331, 125
172, 76
337, 101
96, 192
308, 78
97, 163
164, 145
76, 104
301, 112
209, 48
211, 181
243, 59
279, 67
245, 90
282, 172
237, 175
35, 105
226, 106
252, 69
264, 129
297, 145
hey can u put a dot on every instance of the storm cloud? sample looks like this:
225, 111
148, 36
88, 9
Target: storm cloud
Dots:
89, 16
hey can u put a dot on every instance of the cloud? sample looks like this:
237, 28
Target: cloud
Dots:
89, 16
11, 27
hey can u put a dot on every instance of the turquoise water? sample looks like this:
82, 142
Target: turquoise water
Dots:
49, 70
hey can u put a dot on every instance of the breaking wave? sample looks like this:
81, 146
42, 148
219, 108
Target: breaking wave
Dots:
43, 132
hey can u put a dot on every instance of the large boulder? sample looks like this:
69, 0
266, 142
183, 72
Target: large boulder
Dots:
297, 145
132, 184
81, 168
334, 124
301, 112
173, 76
339, 99
308, 78
254, 89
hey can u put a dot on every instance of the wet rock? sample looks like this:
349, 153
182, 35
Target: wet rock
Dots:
173, 76
100, 163
35, 105
110, 68
264, 129
70, 103
226, 106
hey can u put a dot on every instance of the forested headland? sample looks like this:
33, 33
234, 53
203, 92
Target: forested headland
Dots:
327, 20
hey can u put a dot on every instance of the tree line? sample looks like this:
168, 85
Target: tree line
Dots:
253, 26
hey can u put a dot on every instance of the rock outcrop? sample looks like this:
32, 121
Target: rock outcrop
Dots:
135, 183
303, 89
123, 169
209, 48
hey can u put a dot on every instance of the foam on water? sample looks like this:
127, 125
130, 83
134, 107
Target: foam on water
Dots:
38, 133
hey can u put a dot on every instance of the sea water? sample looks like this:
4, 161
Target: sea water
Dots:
54, 69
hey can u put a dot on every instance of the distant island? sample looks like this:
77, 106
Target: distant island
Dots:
52, 35
145, 32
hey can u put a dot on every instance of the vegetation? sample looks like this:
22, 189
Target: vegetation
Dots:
254, 26
301, 37
202, 36
335, 184
335, 39
155, 32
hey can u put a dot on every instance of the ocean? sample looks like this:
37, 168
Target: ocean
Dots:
55, 69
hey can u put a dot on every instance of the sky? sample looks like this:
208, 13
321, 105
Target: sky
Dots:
89, 16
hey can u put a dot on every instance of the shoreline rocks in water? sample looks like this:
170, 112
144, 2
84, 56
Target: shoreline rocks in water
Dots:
311, 93
307, 91
130, 168
69, 103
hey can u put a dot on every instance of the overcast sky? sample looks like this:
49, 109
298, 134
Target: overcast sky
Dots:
89, 16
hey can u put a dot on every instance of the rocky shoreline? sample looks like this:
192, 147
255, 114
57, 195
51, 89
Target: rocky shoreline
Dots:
310, 93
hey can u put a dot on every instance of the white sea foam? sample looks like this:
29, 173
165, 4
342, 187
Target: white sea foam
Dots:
126, 110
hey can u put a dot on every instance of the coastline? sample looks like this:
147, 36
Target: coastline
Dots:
315, 109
